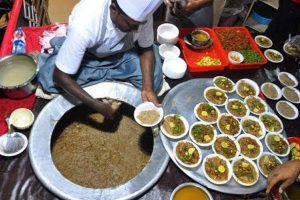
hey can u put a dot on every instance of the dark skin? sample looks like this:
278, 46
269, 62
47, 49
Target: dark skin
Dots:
125, 24
286, 173
190, 6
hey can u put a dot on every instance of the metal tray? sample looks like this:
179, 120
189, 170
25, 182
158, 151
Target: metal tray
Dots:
182, 99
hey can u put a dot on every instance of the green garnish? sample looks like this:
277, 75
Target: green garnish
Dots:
250, 56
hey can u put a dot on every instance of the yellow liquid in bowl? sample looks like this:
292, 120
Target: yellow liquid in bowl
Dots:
190, 193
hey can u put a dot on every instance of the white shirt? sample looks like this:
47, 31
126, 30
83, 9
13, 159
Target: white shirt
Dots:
85, 33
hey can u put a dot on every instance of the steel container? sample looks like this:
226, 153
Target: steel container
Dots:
24, 88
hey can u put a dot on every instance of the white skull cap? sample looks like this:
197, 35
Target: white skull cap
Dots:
139, 10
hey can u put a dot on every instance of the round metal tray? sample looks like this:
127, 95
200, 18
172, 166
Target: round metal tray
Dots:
45, 170
182, 99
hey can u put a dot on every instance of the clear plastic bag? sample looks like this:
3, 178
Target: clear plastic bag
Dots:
292, 46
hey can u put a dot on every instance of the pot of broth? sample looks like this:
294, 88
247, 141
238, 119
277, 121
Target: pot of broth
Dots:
17, 75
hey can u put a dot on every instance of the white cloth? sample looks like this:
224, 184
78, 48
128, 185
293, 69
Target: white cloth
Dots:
138, 10
86, 25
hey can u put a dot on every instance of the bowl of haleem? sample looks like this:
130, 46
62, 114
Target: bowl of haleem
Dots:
174, 126
147, 114
291, 94
271, 91
287, 110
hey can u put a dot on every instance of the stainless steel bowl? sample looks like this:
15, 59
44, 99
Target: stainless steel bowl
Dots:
18, 75
195, 40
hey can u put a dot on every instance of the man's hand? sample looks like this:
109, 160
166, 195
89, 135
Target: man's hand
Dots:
190, 6
149, 95
288, 172
169, 3
70, 86
104, 108
179, 9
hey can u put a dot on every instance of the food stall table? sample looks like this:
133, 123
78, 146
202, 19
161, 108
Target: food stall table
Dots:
18, 180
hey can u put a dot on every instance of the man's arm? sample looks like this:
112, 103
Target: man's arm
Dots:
194, 4
190, 5
147, 63
70, 86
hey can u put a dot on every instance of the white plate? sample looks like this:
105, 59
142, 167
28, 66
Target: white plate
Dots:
247, 81
279, 92
168, 50
229, 115
260, 100
227, 109
148, 106
292, 106
228, 167
273, 51
233, 84
215, 88
182, 163
266, 154
185, 122
252, 163
276, 117
2, 138
279, 135
202, 144
174, 67
261, 45
197, 116
262, 127
233, 140
287, 98
261, 148
291, 76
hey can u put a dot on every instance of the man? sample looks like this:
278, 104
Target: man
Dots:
100, 45
285, 22
190, 13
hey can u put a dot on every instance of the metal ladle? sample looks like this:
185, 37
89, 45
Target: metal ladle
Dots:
13, 141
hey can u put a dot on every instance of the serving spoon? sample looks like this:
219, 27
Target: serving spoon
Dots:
12, 141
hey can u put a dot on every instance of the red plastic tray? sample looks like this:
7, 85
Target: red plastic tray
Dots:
294, 140
253, 46
191, 56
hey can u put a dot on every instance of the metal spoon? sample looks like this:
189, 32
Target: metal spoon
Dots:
13, 142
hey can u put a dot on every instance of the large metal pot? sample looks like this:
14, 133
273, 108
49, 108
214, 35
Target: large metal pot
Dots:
18, 75
42, 134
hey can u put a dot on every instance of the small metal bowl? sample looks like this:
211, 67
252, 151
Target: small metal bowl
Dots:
196, 40
21, 85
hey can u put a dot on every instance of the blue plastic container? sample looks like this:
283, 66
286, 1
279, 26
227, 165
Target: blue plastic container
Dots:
260, 19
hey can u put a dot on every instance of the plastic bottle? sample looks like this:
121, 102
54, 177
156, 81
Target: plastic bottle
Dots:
19, 42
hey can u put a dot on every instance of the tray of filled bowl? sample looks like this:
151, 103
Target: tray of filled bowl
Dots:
222, 134
241, 49
201, 50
